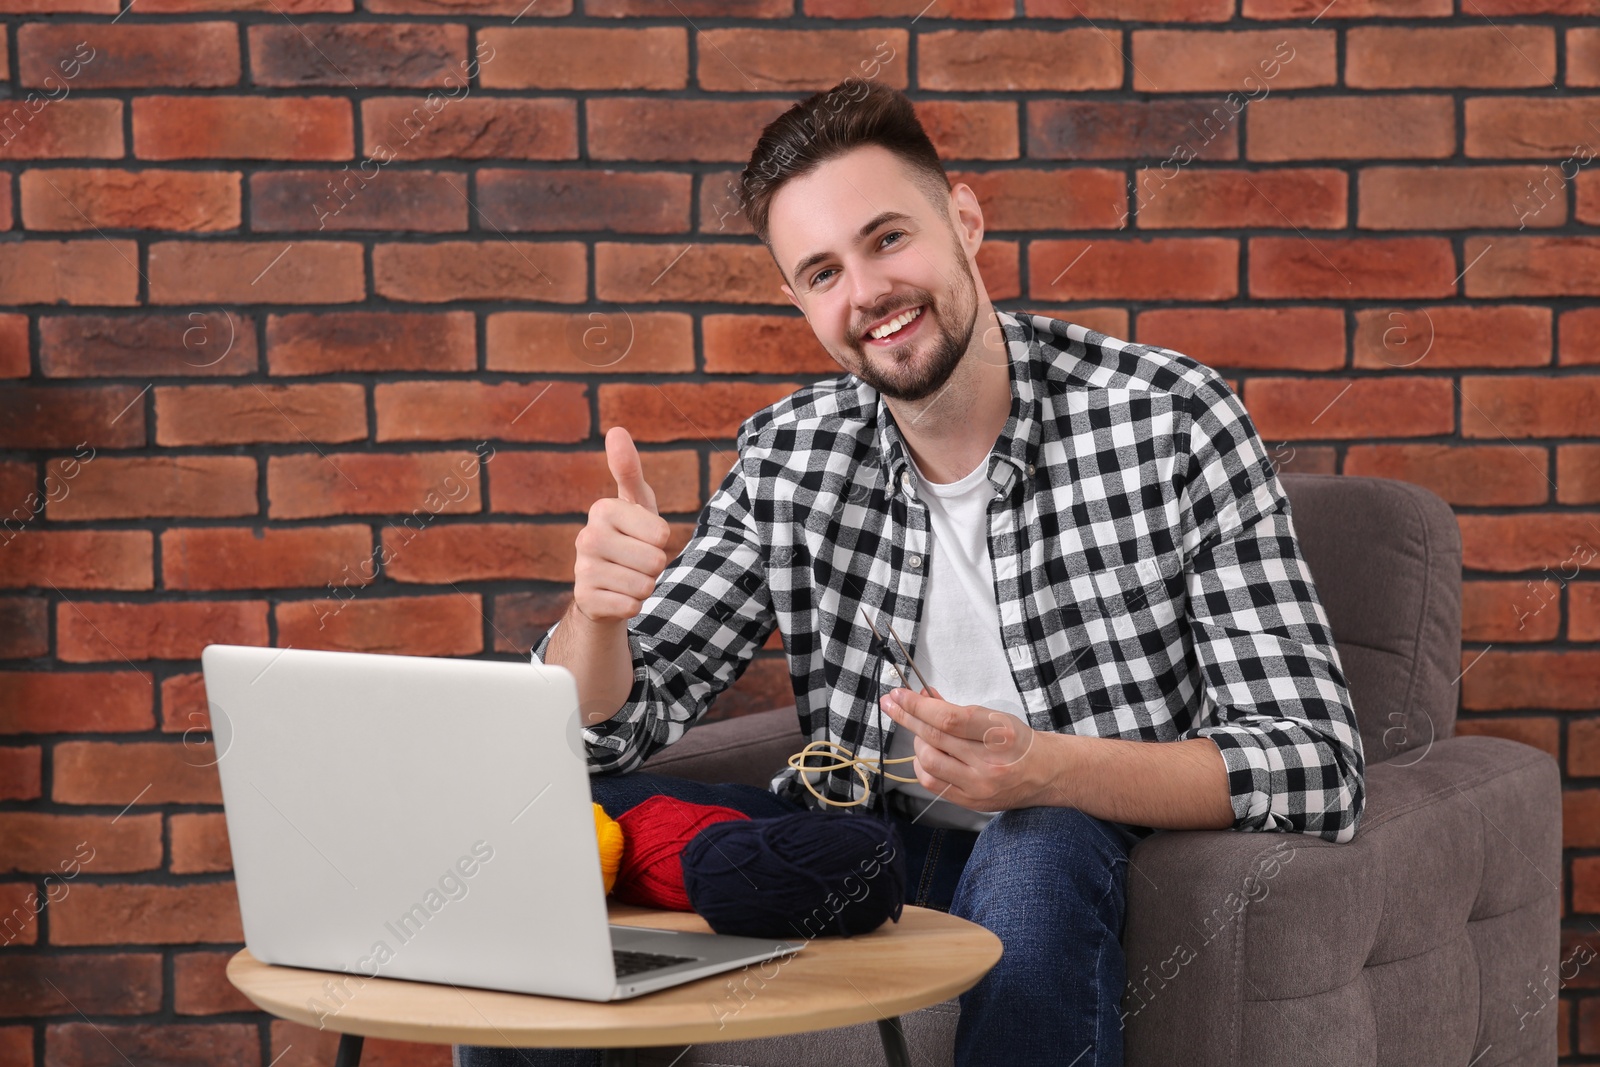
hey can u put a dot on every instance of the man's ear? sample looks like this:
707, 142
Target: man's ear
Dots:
788, 292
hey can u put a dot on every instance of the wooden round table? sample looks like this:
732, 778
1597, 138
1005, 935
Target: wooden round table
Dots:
924, 959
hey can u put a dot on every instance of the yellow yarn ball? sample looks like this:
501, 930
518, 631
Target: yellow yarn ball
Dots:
609, 832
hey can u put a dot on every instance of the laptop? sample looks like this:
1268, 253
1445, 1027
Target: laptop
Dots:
428, 819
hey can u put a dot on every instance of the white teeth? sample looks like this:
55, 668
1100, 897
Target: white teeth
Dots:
895, 323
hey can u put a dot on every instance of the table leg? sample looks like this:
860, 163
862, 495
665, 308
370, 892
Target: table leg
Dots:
619, 1057
349, 1050
896, 1052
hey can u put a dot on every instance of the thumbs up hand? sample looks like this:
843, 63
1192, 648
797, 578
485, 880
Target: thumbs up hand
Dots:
622, 548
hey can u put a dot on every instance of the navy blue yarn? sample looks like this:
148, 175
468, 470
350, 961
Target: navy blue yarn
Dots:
788, 876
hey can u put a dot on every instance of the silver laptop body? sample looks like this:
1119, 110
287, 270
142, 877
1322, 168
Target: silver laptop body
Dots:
428, 819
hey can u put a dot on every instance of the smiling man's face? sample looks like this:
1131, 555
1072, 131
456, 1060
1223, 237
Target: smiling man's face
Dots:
861, 244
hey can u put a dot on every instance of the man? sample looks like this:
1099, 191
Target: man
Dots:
1081, 542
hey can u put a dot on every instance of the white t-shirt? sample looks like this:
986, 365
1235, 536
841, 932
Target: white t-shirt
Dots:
958, 648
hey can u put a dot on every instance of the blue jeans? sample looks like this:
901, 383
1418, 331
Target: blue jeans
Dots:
1051, 883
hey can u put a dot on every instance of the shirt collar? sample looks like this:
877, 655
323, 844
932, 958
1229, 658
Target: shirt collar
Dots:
1016, 450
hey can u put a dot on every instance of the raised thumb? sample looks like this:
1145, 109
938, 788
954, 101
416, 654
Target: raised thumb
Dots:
623, 459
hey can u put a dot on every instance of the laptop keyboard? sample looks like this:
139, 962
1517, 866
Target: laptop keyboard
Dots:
629, 962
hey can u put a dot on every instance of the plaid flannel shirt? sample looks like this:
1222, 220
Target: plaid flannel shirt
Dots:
1149, 581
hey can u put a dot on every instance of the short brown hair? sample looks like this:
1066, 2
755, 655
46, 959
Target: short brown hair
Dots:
854, 113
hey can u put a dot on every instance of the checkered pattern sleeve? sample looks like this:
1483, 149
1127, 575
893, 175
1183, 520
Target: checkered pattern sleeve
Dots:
694, 636
1274, 696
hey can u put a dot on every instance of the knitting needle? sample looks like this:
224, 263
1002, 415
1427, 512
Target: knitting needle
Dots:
884, 644
920, 677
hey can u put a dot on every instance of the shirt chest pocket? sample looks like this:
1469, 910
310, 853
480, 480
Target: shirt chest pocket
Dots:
1136, 598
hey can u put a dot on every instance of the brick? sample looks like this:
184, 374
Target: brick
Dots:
20, 772
24, 627
46, 843
253, 272
357, 483
677, 411
1533, 266
1446, 57
57, 7
362, 199
66, 128
477, 552
234, 414
294, 1045
193, 55
366, 341
407, 128
38, 984
1481, 475
339, 55
155, 915
98, 271
20, 490
1139, 10
971, 129
649, 273
1578, 474
100, 1045
847, 9
1583, 748
762, 60
148, 345
1351, 267
1160, 268
1583, 57
670, 130
112, 487
200, 843
744, 9
450, 625
87, 632
90, 199
521, 619
570, 57
1580, 335
553, 9
1179, 130
1352, 127
507, 411
101, 701
15, 361
1557, 544
271, 7
481, 270
567, 483
1535, 607
242, 127
78, 559
722, 204
610, 341
1030, 200
1453, 198
1543, 733
19, 913
1525, 127
1365, 9
184, 707
36, 416
1249, 62
766, 344
233, 558
582, 200
1583, 606
1326, 407
1302, 199
1527, 406
1506, 335
1508, 611
155, 772
1275, 338
1580, 828
1504, 680
35, 128
200, 984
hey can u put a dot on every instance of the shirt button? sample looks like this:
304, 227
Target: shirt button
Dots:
1030, 469
915, 561
905, 483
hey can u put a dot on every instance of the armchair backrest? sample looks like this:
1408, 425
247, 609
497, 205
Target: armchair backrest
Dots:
1386, 557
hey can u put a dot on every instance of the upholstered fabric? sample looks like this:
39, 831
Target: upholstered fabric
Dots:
1412, 944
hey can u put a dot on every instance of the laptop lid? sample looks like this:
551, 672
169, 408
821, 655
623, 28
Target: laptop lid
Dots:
411, 817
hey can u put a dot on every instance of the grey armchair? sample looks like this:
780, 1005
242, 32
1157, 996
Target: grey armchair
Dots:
1412, 944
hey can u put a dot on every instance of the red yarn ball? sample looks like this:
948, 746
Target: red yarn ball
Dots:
654, 833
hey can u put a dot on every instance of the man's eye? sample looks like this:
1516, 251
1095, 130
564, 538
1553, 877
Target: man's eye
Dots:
816, 278
891, 233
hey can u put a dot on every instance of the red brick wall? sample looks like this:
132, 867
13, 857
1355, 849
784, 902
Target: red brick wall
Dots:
266, 298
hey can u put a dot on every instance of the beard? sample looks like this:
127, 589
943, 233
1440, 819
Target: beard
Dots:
916, 369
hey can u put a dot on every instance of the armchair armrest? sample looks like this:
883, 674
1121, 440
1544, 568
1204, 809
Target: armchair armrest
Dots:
1417, 942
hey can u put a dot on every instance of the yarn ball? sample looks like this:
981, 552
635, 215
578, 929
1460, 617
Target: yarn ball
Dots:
611, 844
654, 832
799, 875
